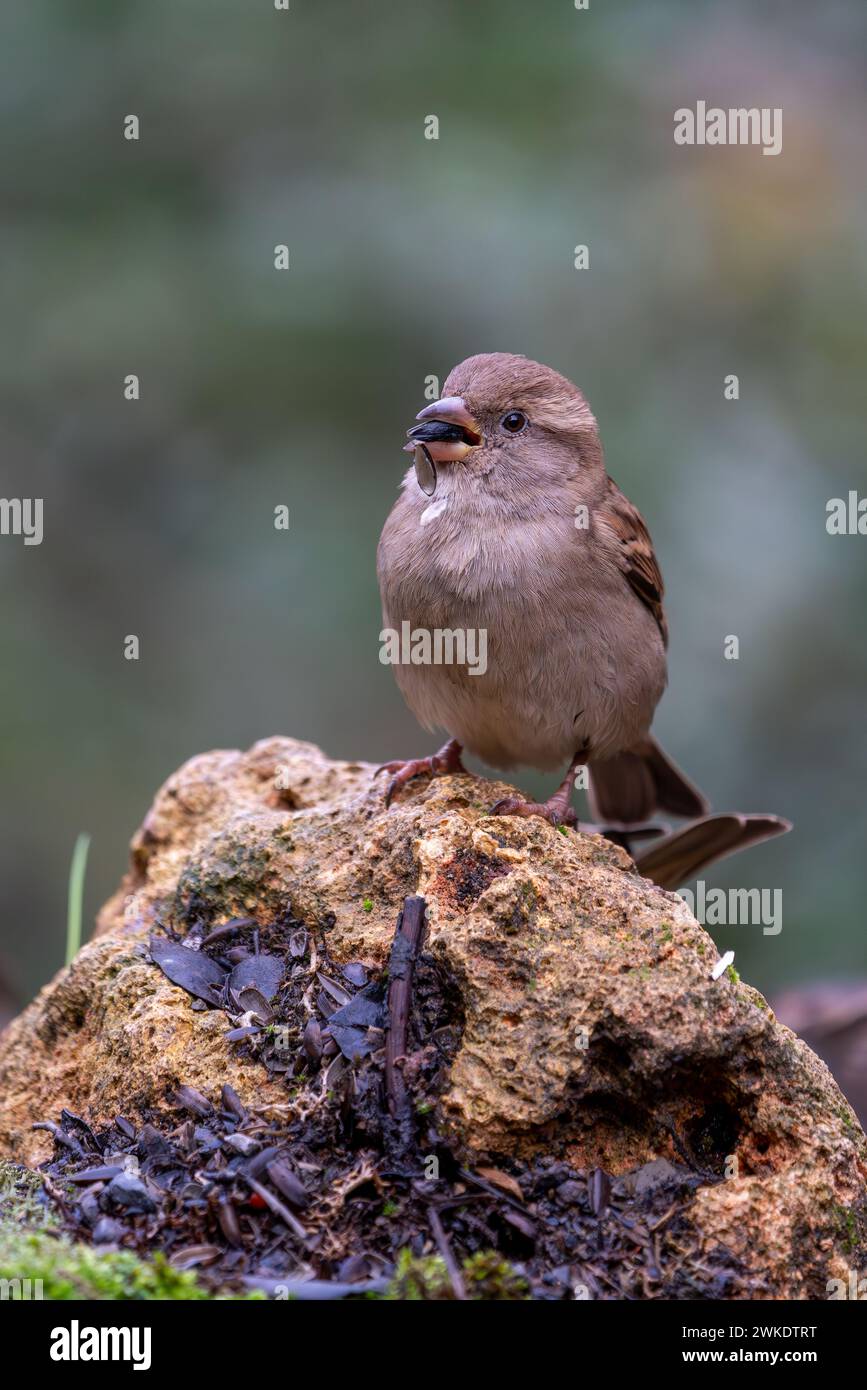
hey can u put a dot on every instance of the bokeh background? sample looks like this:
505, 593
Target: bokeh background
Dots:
260, 388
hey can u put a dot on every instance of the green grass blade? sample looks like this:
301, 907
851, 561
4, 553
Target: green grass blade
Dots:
76, 896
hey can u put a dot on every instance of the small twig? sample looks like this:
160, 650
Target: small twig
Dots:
56, 1193
401, 966
467, 1199
496, 1192
662, 1220
60, 1137
445, 1249
277, 1207
231, 928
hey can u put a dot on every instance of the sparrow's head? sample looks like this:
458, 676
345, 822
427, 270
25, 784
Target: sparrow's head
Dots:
504, 413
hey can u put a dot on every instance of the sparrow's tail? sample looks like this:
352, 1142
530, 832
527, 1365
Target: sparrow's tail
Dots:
676, 858
635, 784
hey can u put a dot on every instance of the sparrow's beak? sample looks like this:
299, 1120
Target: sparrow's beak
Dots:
448, 430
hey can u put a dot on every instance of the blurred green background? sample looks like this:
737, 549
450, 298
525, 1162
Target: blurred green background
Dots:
406, 255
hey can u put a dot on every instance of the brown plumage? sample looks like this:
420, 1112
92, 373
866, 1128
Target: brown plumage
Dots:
638, 560
527, 539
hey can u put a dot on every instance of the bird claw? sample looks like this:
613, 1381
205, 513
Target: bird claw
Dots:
439, 764
405, 771
554, 813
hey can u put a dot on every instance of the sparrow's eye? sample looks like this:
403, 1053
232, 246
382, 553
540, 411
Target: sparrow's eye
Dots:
514, 422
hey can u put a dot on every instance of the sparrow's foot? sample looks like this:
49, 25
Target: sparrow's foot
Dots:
440, 764
556, 810
553, 811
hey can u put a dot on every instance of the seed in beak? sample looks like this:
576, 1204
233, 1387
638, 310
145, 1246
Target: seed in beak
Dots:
425, 470
441, 432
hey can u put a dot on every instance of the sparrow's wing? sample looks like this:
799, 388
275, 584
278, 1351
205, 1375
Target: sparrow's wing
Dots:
636, 556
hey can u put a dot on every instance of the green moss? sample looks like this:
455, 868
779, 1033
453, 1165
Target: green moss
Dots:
424, 1278
667, 932
33, 1249
419, 1279
21, 1206
232, 874
846, 1225
367, 905
487, 1275
849, 1122
72, 1271
733, 974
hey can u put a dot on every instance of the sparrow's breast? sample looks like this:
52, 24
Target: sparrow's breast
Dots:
571, 657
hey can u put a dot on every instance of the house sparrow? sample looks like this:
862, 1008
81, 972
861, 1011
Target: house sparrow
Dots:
510, 525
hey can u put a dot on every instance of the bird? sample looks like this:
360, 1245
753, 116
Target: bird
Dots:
509, 526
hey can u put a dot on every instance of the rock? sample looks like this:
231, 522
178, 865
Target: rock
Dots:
128, 1193
590, 1029
241, 1144
570, 1193
107, 1231
650, 1176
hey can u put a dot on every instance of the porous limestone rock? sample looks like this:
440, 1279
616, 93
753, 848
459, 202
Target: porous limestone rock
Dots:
591, 1025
